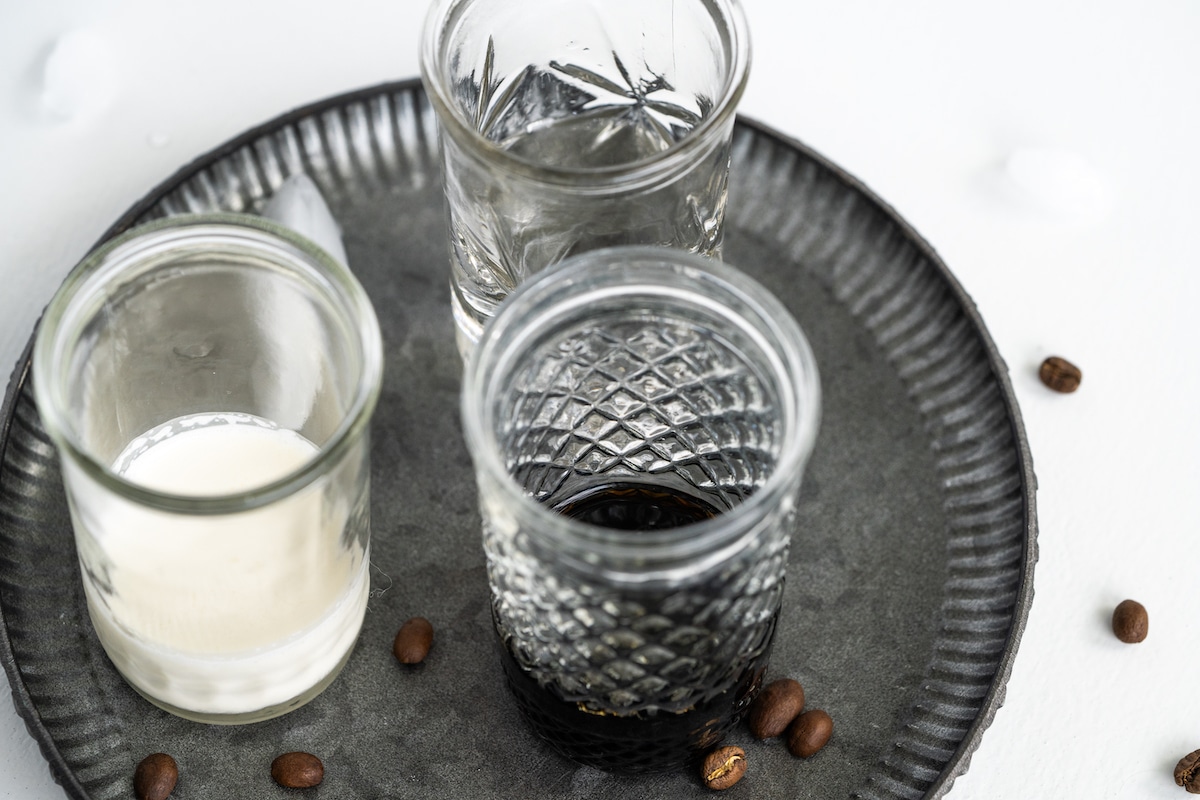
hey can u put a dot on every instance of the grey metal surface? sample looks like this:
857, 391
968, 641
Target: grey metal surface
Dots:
911, 570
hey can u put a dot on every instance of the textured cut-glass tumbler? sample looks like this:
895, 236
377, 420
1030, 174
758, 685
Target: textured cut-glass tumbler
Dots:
639, 419
571, 125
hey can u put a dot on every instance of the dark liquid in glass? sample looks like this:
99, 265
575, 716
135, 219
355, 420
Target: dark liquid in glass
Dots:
635, 507
646, 741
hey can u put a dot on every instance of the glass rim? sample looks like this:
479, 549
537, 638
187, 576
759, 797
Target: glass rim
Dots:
554, 295
679, 155
143, 249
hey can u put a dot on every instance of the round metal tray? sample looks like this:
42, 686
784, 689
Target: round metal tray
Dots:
912, 565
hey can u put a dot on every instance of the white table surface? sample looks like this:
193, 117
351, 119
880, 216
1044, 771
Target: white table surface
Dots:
1046, 150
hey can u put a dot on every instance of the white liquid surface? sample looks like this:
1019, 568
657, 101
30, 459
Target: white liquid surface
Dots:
222, 614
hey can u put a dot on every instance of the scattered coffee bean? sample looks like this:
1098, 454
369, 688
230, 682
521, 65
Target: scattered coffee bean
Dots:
1130, 622
297, 770
809, 733
1060, 375
1187, 772
775, 708
723, 767
155, 777
413, 641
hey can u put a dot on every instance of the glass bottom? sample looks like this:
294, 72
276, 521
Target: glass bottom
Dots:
640, 743
242, 687
467, 326
247, 717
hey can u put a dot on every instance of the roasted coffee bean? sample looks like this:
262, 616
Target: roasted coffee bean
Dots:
413, 641
723, 767
775, 708
155, 777
809, 733
298, 770
1187, 772
1130, 622
1060, 375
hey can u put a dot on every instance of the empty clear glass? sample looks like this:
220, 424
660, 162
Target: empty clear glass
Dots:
570, 125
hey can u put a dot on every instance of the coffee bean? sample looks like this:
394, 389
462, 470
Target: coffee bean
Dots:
1187, 772
809, 733
297, 770
155, 777
1130, 622
775, 708
413, 641
723, 767
1060, 375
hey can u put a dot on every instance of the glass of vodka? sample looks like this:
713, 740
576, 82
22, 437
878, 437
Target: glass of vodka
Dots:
208, 383
570, 125
639, 420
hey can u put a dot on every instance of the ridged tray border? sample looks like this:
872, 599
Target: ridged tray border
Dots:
971, 414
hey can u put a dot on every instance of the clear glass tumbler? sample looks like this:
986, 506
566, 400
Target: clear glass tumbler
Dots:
208, 383
571, 125
639, 419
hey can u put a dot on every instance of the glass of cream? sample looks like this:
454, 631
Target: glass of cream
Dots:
208, 383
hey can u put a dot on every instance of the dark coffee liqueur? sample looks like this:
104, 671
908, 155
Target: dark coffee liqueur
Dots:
635, 507
646, 741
